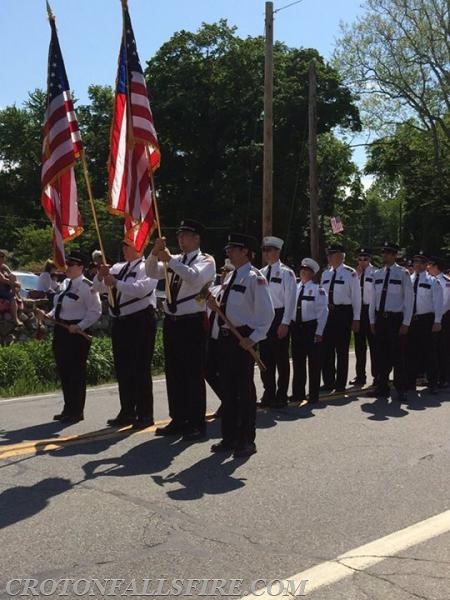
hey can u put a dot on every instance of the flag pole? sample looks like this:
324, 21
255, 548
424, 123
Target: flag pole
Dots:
91, 201
155, 204
52, 17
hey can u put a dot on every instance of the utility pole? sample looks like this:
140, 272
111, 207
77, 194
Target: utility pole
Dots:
313, 180
268, 125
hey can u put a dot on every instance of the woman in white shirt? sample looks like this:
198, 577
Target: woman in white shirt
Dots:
47, 279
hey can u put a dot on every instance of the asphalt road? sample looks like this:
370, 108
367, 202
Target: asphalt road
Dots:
323, 483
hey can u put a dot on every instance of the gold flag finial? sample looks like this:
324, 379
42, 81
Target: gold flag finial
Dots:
50, 12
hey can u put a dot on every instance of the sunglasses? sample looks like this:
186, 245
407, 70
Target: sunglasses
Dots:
363, 258
73, 263
268, 248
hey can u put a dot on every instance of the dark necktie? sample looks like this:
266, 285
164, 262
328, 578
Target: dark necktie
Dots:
384, 290
269, 273
223, 302
331, 290
416, 285
60, 301
299, 304
175, 286
361, 283
115, 308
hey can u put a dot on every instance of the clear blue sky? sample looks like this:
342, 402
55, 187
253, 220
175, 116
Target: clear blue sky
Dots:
90, 30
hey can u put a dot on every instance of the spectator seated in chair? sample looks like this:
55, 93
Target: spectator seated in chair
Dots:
8, 286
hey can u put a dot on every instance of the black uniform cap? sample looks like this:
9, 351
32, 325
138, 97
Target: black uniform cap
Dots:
78, 257
241, 240
390, 247
420, 256
192, 226
333, 248
438, 261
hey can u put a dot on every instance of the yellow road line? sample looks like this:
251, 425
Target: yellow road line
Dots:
47, 445
39, 446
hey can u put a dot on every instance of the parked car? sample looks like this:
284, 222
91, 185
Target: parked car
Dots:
28, 283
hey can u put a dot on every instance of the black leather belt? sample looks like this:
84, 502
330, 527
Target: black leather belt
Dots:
387, 314
184, 317
148, 309
422, 316
67, 322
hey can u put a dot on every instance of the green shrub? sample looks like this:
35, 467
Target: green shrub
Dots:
41, 354
158, 355
100, 365
16, 366
29, 367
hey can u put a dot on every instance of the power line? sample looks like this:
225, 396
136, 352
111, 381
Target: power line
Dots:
287, 6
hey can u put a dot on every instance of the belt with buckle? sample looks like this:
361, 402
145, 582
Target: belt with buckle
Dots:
422, 316
224, 332
183, 317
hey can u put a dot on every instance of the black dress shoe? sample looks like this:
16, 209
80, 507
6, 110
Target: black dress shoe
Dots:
265, 402
358, 381
193, 435
245, 450
59, 417
170, 429
339, 390
223, 447
71, 419
143, 423
325, 388
120, 421
277, 405
296, 399
433, 390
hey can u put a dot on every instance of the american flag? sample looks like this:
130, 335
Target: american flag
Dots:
336, 225
134, 152
61, 147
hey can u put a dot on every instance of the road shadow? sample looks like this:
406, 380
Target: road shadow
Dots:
31, 433
383, 409
23, 501
418, 401
209, 476
88, 445
153, 456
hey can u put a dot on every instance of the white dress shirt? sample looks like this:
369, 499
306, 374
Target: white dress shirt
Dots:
80, 303
135, 290
249, 302
367, 289
399, 297
429, 297
314, 305
282, 288
444, 280
46, 283
346, 288
198, 271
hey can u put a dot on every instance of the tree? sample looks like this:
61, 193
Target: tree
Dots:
207, 99
397, 58
403, 164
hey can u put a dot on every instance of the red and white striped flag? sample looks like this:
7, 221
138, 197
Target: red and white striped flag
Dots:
61, 147
134, 152
336, 225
